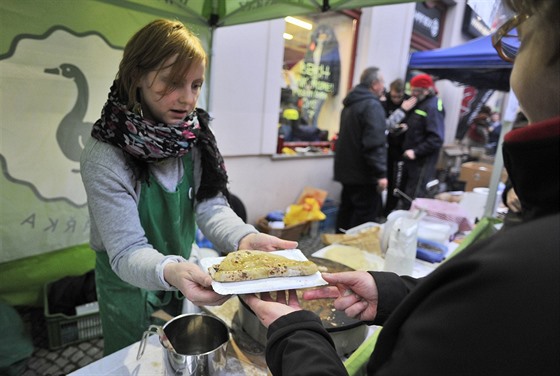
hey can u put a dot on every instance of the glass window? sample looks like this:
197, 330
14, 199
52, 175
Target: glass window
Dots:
317, 69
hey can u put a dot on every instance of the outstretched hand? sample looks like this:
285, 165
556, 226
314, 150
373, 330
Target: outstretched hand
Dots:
195, 284
265, 242
355, 293
268, 309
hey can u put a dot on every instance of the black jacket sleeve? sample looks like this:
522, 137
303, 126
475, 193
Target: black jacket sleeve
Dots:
392, 289
299, 345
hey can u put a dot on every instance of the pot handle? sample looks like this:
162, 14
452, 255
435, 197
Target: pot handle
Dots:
152, 329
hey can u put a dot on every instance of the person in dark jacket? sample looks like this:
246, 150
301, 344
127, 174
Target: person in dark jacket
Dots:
493, 308
397, 100
360, 162
494, 133
479, 130
423, 139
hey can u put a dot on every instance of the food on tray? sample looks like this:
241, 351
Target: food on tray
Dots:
247, 265
366, 239
349, 256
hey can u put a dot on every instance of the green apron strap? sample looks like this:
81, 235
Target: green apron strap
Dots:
168, 217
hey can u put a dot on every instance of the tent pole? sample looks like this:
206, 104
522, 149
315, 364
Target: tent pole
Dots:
507, 125
496, 172
210, 58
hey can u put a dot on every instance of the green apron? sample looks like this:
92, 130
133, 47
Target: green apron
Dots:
168, 220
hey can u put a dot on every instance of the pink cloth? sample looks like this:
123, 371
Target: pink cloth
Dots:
447, 211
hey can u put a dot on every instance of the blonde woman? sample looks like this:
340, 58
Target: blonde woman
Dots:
152, 173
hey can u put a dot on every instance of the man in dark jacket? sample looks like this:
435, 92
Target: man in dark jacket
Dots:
493, 308
397, 100
423, 139
360, 162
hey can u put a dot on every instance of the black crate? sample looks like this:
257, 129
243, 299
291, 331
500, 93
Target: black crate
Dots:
65, 330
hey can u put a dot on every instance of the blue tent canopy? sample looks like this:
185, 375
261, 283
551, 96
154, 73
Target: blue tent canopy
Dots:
475, 63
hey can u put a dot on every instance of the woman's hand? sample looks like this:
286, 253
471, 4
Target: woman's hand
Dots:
265, 242
193, 283
268, 309
355, 293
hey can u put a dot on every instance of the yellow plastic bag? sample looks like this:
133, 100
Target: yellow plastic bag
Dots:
300, 213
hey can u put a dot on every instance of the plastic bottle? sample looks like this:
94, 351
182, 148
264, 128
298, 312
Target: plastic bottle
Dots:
401, 251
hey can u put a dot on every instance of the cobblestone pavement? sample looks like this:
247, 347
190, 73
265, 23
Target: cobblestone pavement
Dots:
46, 362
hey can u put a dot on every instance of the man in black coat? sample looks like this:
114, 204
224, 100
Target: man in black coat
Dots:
360, 161
397, 100
423, 139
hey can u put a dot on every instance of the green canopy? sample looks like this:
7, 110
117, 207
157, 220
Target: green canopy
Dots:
215, 13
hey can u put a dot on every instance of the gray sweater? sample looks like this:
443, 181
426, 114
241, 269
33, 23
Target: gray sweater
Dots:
113, 194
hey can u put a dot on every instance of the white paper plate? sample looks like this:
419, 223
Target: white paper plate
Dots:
265, 285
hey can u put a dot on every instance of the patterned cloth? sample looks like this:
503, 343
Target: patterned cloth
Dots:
447, 211
143, 139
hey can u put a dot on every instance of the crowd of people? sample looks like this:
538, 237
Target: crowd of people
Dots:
412, 127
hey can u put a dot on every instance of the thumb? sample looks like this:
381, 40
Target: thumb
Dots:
337, 278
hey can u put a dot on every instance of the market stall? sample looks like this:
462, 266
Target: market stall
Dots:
245, 350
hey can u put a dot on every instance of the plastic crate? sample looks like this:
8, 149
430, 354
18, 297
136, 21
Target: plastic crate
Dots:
65, 330
287, 233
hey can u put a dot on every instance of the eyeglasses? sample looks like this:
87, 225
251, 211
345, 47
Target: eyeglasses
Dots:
506, 37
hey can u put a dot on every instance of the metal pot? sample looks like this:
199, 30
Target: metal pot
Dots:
194, 345
347, 333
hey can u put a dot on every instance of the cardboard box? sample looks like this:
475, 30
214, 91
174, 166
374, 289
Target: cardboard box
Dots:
477, 174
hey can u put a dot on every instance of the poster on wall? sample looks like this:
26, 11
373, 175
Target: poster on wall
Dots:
53, 88
316, 70
320, 72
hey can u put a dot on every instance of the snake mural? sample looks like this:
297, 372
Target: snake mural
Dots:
53, 89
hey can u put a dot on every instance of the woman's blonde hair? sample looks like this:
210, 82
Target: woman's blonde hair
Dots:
149, 48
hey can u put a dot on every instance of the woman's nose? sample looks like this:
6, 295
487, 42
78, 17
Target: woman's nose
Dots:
188, 97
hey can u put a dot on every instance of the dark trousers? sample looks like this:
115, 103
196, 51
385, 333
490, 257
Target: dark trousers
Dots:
394, 180
358, 204
416, 174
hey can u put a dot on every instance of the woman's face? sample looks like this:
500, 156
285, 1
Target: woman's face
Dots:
535, 82
174, 106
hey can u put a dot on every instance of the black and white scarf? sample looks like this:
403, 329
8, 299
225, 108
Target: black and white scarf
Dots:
147, 141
